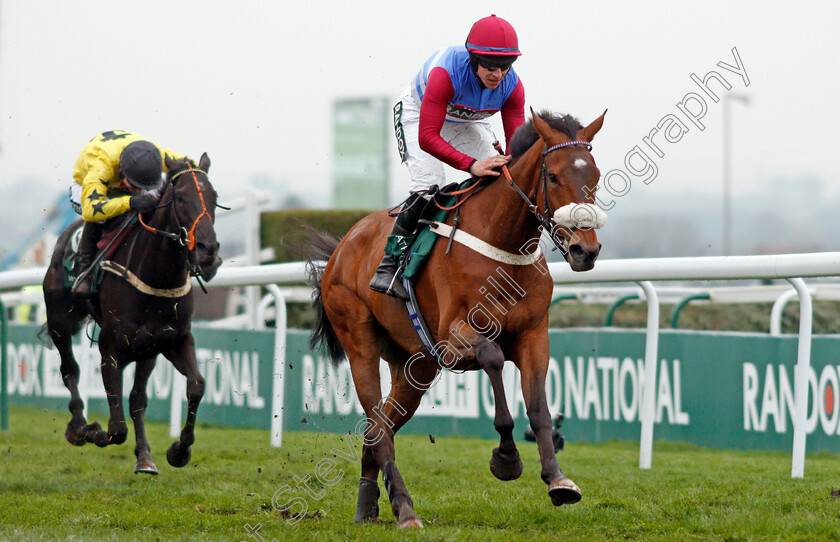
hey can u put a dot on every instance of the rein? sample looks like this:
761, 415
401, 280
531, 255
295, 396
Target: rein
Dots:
184, 237
469, 191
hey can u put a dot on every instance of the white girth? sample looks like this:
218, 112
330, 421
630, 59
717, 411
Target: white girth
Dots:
486, 249
134, 280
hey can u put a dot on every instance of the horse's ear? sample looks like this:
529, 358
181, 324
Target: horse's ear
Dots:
540, 125
549, 135
204, 163
589, 132
169, 161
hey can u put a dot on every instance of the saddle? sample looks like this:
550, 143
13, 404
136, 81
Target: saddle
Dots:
115, 233
412, 253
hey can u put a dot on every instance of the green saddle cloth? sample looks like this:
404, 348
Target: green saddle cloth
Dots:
412, 251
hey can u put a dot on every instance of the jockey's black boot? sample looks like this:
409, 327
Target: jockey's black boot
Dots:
385, 280
83, 287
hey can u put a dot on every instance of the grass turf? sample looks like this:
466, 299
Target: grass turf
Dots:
50, 490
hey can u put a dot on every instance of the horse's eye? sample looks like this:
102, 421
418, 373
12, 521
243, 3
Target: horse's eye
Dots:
552, 178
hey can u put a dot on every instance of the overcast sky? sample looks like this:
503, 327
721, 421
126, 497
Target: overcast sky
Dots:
253, 83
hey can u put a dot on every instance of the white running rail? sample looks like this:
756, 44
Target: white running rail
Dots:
793, 267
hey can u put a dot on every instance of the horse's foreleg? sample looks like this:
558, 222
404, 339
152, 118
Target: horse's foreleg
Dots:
137, 402
505, 463
183, 358
533, 367
112, 372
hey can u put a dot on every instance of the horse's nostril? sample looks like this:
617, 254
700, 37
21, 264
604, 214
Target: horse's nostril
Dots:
578, 252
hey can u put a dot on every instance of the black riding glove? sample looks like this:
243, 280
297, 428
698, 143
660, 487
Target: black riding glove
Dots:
143, 203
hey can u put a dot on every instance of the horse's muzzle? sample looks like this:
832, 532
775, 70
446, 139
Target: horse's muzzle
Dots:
205, 260
581, 256
208, 270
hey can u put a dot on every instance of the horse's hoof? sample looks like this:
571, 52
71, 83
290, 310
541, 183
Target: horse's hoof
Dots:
101, 438
146, 466
73, 437
367, 507
410, 523
90, 431
178, 455
563, 491
506, 467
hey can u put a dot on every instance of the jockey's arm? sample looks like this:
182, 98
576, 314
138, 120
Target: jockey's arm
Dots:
513, 113
513, 116
438, 92
96, 206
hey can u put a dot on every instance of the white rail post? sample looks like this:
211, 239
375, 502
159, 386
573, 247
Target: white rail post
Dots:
86, 353
803, 364
252, 250
778, 310
649, 391
176, 408
279, 365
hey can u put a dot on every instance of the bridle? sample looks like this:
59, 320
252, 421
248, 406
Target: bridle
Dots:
184, 237
544, 216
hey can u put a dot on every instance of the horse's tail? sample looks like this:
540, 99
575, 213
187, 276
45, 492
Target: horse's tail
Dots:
317, 251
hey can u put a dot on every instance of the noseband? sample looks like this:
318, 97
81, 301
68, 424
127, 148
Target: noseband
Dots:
184, 237
543, 216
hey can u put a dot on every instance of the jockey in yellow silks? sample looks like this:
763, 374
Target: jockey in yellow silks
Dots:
117, 171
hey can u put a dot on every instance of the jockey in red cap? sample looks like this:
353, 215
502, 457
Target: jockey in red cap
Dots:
440, 119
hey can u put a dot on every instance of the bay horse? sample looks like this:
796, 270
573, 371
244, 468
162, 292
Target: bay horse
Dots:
551, 172
144, 308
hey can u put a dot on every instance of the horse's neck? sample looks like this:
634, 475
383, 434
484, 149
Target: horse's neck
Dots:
156, 259
499, 215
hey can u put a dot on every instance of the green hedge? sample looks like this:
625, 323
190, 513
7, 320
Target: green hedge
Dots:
282, 229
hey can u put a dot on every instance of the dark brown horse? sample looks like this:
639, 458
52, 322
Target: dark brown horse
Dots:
145, 312
480, 309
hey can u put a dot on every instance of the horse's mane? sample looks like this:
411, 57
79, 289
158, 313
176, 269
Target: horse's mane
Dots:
526, 135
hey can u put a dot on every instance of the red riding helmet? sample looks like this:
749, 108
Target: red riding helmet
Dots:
493, 36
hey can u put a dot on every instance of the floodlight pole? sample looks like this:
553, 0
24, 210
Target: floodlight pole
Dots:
727, 171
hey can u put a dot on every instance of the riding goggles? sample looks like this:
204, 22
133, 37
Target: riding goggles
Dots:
493, 66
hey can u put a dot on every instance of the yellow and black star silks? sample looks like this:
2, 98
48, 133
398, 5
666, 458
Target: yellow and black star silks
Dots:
98, 171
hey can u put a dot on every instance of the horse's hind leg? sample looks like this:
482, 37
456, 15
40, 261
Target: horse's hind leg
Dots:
183, 358
397, 409
64, 319
384, 418
365, 372
505, 464
78, 431
137, 402
378, 448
